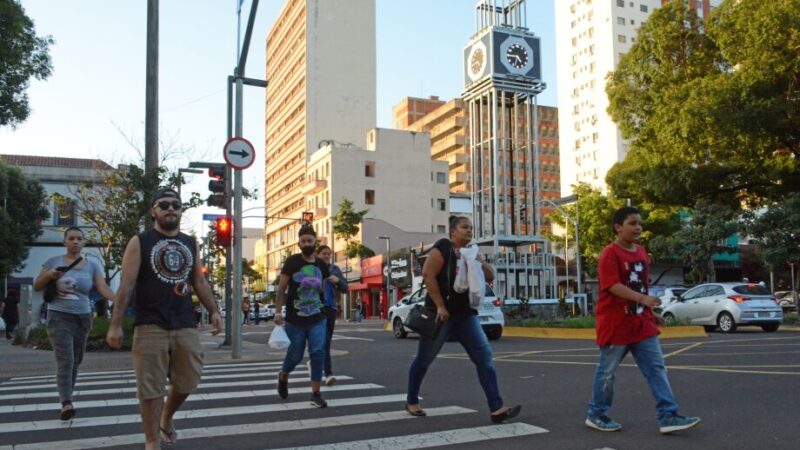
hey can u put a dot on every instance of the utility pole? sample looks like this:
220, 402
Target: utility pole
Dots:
151, 90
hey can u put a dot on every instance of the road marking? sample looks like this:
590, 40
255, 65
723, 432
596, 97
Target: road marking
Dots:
337, 337
82, 422
238, 430
193, 397
688, 347
434, 439
712, 369
214, 366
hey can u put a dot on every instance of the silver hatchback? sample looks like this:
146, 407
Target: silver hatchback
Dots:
727, 306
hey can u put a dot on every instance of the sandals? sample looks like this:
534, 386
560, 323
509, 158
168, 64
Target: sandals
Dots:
417, 413
510, 413
69, 413
168, 437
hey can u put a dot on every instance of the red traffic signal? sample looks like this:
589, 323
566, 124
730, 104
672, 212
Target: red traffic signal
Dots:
308, 217
224, 231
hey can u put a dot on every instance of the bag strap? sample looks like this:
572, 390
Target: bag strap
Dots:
74, 263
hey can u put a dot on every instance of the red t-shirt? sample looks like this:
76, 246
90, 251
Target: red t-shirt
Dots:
619, 321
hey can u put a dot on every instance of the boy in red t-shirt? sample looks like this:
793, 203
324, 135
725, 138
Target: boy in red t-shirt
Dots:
626, 323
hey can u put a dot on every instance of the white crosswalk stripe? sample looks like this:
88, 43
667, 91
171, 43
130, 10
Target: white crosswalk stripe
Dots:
233, 401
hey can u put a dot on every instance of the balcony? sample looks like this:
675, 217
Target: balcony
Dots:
319, 213
457, 159
314, 186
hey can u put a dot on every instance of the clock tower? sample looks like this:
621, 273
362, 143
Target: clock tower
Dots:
502, 78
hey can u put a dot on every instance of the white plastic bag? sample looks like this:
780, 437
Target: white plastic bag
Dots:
476, 283
278, 339
461, 283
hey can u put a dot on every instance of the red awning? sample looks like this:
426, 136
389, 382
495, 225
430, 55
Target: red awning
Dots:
363, 286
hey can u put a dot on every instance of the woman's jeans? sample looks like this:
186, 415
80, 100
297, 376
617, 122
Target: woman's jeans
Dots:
68, 333
315, 334
467, 330
330, 313
650, 359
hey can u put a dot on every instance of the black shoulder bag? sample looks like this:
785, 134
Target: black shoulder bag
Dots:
422, 319
50, 291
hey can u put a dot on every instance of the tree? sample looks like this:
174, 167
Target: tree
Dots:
22, 210
24, 55
777, 231
708, 118
347, 224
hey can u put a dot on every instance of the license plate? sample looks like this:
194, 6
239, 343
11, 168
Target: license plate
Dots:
483, 318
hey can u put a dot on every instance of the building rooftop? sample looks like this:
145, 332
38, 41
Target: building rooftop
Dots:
51, 161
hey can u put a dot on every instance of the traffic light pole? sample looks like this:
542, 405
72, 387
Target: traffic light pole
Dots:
236, 344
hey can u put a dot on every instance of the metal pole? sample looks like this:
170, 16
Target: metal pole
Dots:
228, 190
579, 290
236, 346
151, 90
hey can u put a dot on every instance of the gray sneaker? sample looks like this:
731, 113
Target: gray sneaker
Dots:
602, 423
317, 400
677, 423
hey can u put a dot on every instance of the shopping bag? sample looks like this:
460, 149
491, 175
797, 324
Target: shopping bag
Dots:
278, 339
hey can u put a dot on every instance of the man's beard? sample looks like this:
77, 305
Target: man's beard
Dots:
307, 251
166, 224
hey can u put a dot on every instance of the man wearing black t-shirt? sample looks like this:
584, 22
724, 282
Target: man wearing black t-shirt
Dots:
303, 274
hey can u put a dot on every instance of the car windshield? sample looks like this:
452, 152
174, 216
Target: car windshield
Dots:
489, 292
751, 289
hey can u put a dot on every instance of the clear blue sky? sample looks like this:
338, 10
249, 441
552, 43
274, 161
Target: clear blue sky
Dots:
94, 101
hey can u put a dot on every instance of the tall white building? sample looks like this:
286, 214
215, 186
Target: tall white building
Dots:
592, 36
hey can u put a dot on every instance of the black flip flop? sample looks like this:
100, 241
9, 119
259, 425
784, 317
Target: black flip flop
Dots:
417, 413
510, 413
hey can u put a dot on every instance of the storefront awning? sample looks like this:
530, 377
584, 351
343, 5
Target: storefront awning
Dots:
363, 286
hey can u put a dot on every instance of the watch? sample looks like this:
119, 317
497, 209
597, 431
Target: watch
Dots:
517, 56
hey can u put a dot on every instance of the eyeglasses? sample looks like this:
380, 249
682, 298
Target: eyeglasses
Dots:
165, 205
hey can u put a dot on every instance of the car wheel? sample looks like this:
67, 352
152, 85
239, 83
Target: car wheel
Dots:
494, 334
670, 319
771, 327
398, 328
726, 323
710, 328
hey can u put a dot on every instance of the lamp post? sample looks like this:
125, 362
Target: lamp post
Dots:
180, 179
388, 268
577, 243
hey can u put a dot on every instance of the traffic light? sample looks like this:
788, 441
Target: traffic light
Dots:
308, 217
224, 231
217, 187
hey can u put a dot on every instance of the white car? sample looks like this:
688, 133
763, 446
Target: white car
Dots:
490, 314
726, 305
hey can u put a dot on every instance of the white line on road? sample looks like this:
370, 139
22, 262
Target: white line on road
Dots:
83, 422
238, 430
214, 366
193, 397
434, 439
339, 337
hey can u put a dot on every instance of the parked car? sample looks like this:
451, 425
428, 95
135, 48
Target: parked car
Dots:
786, 299
727, 306
671, 294
490, 315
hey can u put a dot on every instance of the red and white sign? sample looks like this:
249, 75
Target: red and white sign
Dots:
239, 153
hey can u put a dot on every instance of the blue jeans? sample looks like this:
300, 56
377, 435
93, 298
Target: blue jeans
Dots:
68, 334
650, 360
330, 313
316, 334
467, 330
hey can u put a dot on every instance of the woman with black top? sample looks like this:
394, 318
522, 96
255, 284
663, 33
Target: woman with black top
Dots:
456, 317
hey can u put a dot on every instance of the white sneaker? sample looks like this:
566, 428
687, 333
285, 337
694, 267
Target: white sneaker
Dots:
329, 380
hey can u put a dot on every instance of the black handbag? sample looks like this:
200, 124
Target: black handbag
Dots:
50, 291
422, 319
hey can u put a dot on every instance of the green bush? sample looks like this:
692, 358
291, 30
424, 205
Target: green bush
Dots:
569, 322
96, 341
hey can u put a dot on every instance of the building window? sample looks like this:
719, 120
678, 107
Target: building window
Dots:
620, 21
621, 3
441, 229
369, 197
621, 38
369, 169
442, 204
643, 8
65, 211
441, 177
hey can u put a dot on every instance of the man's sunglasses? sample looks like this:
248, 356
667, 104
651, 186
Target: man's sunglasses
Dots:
165, 205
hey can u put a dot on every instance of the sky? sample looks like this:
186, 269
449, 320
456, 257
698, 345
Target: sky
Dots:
93, 104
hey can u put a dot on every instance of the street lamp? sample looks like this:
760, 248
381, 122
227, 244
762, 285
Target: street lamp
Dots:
577, 242
180, 179
388, 268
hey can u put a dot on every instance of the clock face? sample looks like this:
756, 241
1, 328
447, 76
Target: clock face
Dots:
517, 56
476, 61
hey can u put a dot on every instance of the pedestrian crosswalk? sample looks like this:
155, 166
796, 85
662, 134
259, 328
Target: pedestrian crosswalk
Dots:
235, 406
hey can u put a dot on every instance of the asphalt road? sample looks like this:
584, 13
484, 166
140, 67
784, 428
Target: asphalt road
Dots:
746, 388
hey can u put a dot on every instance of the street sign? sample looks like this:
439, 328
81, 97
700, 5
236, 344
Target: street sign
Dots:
212, 217
239, 153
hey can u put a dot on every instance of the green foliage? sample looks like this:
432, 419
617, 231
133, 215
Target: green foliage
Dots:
568, 322
23, 55
346, 225
777, 231
96, 342
23, 208
711, 108
357, 249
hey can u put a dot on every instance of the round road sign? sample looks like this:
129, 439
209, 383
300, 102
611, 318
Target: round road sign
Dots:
239, 153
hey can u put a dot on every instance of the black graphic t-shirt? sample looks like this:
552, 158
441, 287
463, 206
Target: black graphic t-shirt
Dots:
163, 294
305, 297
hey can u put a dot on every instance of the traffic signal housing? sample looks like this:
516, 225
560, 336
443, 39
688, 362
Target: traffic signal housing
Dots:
217, 187
224, 231
308, 218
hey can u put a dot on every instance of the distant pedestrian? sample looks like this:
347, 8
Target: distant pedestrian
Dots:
334, 286
626, 324
158, 268
69, 314
11, 312
360, 312
458, 319
256, 311
245, 312
303, 274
